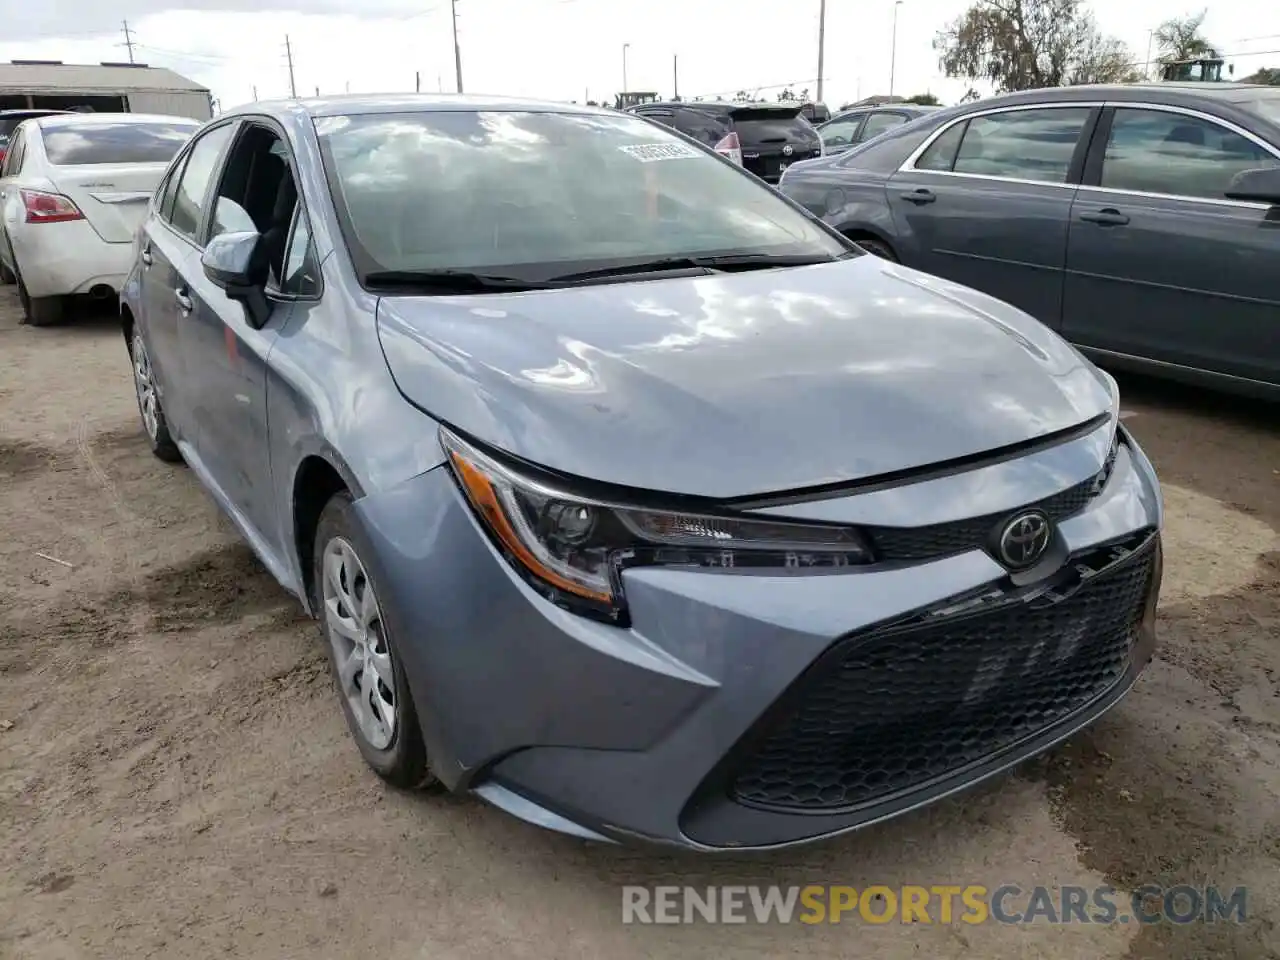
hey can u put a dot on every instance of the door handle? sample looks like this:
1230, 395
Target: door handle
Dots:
145, 256
1107, 217
920, 197
184, 301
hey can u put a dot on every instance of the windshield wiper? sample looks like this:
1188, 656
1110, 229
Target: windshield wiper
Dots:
464, 281
727, 262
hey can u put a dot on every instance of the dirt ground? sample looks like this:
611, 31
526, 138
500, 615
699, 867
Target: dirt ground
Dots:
176, 779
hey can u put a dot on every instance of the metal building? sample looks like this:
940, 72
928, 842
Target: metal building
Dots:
102, 88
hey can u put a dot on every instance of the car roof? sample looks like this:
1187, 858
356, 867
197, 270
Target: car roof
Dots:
1173, 92
58, 120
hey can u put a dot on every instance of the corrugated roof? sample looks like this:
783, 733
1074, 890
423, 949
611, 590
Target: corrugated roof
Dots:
77, 77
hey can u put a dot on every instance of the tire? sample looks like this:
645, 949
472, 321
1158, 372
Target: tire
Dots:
154, 424
40, 311
394, 750
877, 248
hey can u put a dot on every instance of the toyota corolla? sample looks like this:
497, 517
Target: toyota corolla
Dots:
629, 496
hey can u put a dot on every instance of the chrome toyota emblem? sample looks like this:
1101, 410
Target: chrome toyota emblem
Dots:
788, 150
1024, 539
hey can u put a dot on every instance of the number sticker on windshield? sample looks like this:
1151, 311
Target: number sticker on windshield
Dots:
649, 152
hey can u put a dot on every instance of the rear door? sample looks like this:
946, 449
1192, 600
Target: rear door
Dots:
1160, 264
111, 169
166, 249
773, 138
986, 201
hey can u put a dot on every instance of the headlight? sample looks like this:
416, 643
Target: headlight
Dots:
574, 548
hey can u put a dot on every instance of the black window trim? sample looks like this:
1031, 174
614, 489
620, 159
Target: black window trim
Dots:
214, 180
273, 291
1074, 169
16, 147
1092, 174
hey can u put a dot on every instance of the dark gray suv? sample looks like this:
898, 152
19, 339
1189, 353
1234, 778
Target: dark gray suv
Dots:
1141, 222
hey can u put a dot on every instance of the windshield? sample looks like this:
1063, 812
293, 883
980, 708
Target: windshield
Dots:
544, 194
106, 142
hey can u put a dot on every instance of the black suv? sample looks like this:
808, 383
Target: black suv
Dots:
766, 138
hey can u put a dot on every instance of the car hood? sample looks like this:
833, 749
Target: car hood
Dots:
738, 384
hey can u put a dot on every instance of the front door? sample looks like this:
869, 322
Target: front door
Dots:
256, 192
988, 201
1160, 264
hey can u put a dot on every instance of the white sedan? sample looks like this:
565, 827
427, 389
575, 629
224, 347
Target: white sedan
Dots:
74, 188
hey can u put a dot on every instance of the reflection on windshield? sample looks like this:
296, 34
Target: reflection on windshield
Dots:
547, 192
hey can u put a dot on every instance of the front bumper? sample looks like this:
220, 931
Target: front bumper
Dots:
648, 732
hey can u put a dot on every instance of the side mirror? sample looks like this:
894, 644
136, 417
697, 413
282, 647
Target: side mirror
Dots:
230, 262
1258, 186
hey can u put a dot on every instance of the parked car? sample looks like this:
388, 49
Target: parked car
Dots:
9, 120
1140, 222
73, 189
630, 497
849, 129
766, 138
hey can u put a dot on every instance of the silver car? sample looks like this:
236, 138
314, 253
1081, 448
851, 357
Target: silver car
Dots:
629, 496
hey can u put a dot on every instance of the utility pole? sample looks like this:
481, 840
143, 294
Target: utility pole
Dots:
317, 92
822, 37
255, 93
457, 54
893, 54
625, 46
288, 52
128, 40
1146, 67
675, 76
417, 81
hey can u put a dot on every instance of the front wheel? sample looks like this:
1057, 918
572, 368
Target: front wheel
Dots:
362, 653
152, 413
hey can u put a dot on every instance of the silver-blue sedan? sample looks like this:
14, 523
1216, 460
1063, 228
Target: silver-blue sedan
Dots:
629, 496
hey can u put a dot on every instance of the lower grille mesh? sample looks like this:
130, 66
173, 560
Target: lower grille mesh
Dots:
888, 712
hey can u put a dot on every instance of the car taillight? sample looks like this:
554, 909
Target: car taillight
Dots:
49, 207
2, 153
730, 146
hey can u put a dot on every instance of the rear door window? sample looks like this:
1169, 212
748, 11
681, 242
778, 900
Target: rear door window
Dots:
13, 158
1151, 151
92, 143
878, 123
941, 154
1035, 144
842, 132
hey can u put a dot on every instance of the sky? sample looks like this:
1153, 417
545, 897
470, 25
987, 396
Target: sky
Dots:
561, 49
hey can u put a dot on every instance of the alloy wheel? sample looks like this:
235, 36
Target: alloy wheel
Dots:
144, 383
353, 623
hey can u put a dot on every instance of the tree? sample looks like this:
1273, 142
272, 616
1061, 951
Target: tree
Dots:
1268, 75
1025, 44
1180, 38
970, 95
786, 94
804, 95
742, 97
924, 100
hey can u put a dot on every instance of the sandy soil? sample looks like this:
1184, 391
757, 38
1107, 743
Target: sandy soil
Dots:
176, 779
